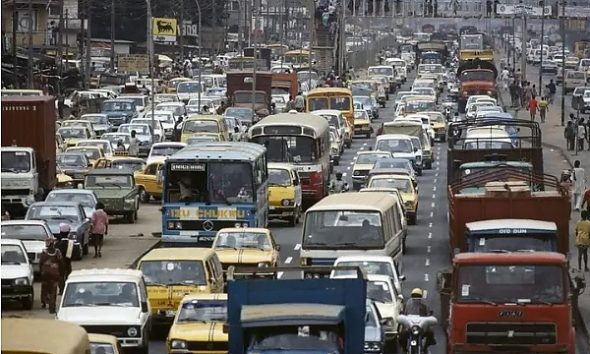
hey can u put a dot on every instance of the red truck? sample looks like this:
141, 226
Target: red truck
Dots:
476, 77
285, 84
28, 150
239, 91
509, 303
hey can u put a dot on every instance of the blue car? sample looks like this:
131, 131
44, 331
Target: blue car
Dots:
119, 111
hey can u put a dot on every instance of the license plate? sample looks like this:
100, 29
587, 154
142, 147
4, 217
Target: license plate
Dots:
170, 313
271, 208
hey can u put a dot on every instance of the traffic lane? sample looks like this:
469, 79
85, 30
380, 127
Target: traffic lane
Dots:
122, 246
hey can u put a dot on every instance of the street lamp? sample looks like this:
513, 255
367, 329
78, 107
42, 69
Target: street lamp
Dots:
199, 54
150, 44
542, 3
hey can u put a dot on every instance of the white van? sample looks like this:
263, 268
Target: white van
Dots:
109, 301
348, 224
487, 138
573, 79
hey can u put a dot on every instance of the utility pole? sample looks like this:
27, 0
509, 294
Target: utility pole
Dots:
540, 90
240, 28
563, 62
255, 64
281, 29
67, 40
112, 35
60, 53
200, 43
30, 78
88, 45
311, 39
150, 50
181, 34
14, 60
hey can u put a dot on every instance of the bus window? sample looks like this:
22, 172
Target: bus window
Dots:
289, 148
315, 104
340, 103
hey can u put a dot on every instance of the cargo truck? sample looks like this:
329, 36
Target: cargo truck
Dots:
319, 315
509, 303
239, 91
28, 150
506, 216
477, 76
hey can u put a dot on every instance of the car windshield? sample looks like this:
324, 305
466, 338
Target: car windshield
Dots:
366, 159
103, 293
240, 113
134, 165
392, 163
114, 138
188, 87
25, 232
166, 118
97, 119
516, 283
364, 100
69, 160
284, 148
395, 145
118, 106
416, 142
165, 150
256, 240
419, 106
380, 71
101, 348
379, 291
104, 145
84, 199
165, 98
279, 177
91, 154
53, 212
203, 311
332, 119
527, 241
13, 254
403, 185
338, 103
108, 181
370, 267
139, 129
200, 126
201, 139
176, 109
16, 161
346, 229
476, 75
73, 133
169, 272
483, 144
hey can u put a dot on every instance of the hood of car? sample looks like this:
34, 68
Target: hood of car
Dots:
99, 315
14, 271
54, 225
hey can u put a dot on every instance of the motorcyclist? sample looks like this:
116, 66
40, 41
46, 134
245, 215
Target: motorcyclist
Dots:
416, 306
338, 185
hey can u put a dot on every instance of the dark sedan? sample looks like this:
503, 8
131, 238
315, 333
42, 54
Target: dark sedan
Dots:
74, 164
55, 213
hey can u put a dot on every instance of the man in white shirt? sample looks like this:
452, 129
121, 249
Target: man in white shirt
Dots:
579, 185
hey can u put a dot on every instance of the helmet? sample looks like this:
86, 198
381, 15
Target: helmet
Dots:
417, 292
339, 174
63, 227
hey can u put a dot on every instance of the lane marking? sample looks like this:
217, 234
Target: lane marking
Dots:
348, 168
436, 174
427, 263
430, 225
351, 163
433, 196
343, 174
424, 294
428, 249
437, 168
425, 276
432, 205
432, 214
430, 235
288, 260
279, 275
434, 181
434, 188
364, 144
297, 247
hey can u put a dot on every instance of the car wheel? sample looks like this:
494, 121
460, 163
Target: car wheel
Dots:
336, 162
349, 144
131, 217
28, 302
414, 219
144, 196
85, 248
368, 136
293, 219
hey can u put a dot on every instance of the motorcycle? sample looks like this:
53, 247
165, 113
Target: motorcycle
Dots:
335, 189
416, 327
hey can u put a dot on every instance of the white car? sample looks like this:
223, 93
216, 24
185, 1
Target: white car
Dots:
141, 101
100, 122
115, 137
109, 301
143, 131
337, 120
105, 145
178, 108
472, 109
17, 273
162, 150
158, 129
167, 118
32, 233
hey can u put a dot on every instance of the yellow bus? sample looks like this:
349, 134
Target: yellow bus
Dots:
336, 98
298, 58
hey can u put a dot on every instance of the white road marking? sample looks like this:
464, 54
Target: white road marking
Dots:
279, 275
348, 168
344, 174
430, 235
425, 276
430, 225
551, 150
351, 163
362, 148
427, 263
437, 168
433, 196
288, 260
428, 249
432, 214
432, 205
434, 188
364, 144
297, 247
424, 294
436, 174
434, 181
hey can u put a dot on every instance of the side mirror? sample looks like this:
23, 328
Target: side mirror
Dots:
144, 306
400, 297
415, 149
278, 247
295, 182
430, 313
225, 328
402, 277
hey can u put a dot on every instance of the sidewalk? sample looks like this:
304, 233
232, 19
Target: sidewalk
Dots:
552, 137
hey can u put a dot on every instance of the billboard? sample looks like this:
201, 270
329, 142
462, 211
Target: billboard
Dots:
131, 63
164, 29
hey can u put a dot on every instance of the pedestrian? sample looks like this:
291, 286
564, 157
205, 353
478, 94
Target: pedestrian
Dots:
100, 228
290, 103
133, 144
532, 106
514, 93
543, 107
552, 89
583, 239
586, 200
582, 134
177, 129
579, 184
50, 264
569, 134
534, 91
66, 248
299, 102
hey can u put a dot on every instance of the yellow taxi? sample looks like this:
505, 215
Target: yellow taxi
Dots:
248, 247
172, 83
362, 123
63, 180
172, 273
405, 186
284, 193
204, 123
80, 123
104, 343
147, 180
439, 124
198, 325
363, 163
71, 135
122, 161
93, 153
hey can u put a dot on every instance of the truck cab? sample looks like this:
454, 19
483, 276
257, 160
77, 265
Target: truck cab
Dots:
511, 235
477, 77
20, 178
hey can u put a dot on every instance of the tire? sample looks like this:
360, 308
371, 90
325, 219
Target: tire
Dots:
293, 220
368, 136
404, 249
28, 302
348, 144
443, 139
144, 196
85, 248
132, 217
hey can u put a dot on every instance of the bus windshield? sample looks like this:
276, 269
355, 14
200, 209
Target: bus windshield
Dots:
209, 182
346, 229
298, 149
341, 103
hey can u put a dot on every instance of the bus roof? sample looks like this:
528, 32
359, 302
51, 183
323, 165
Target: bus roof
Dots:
295, 119
23, 336
297, 51
355, 201
325, 91
515, 258
220, 151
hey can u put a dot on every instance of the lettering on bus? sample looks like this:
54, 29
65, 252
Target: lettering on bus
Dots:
512, 231
207, 213
187, 167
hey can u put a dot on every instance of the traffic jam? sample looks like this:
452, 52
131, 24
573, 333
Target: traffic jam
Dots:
395, 208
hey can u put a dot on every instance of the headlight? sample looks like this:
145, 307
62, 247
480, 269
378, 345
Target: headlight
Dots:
263, 265
174, 225
356, 173
489, 93
132, 332
373, 346
287, 202
241, 224
415, 330
408, 204
130, 201
73, 236
21, 281
178, 344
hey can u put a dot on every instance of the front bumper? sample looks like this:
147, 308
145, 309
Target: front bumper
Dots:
16, 292
362, 129
281, 211
22, 200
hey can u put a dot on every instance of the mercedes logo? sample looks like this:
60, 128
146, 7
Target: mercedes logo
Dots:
207, 225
